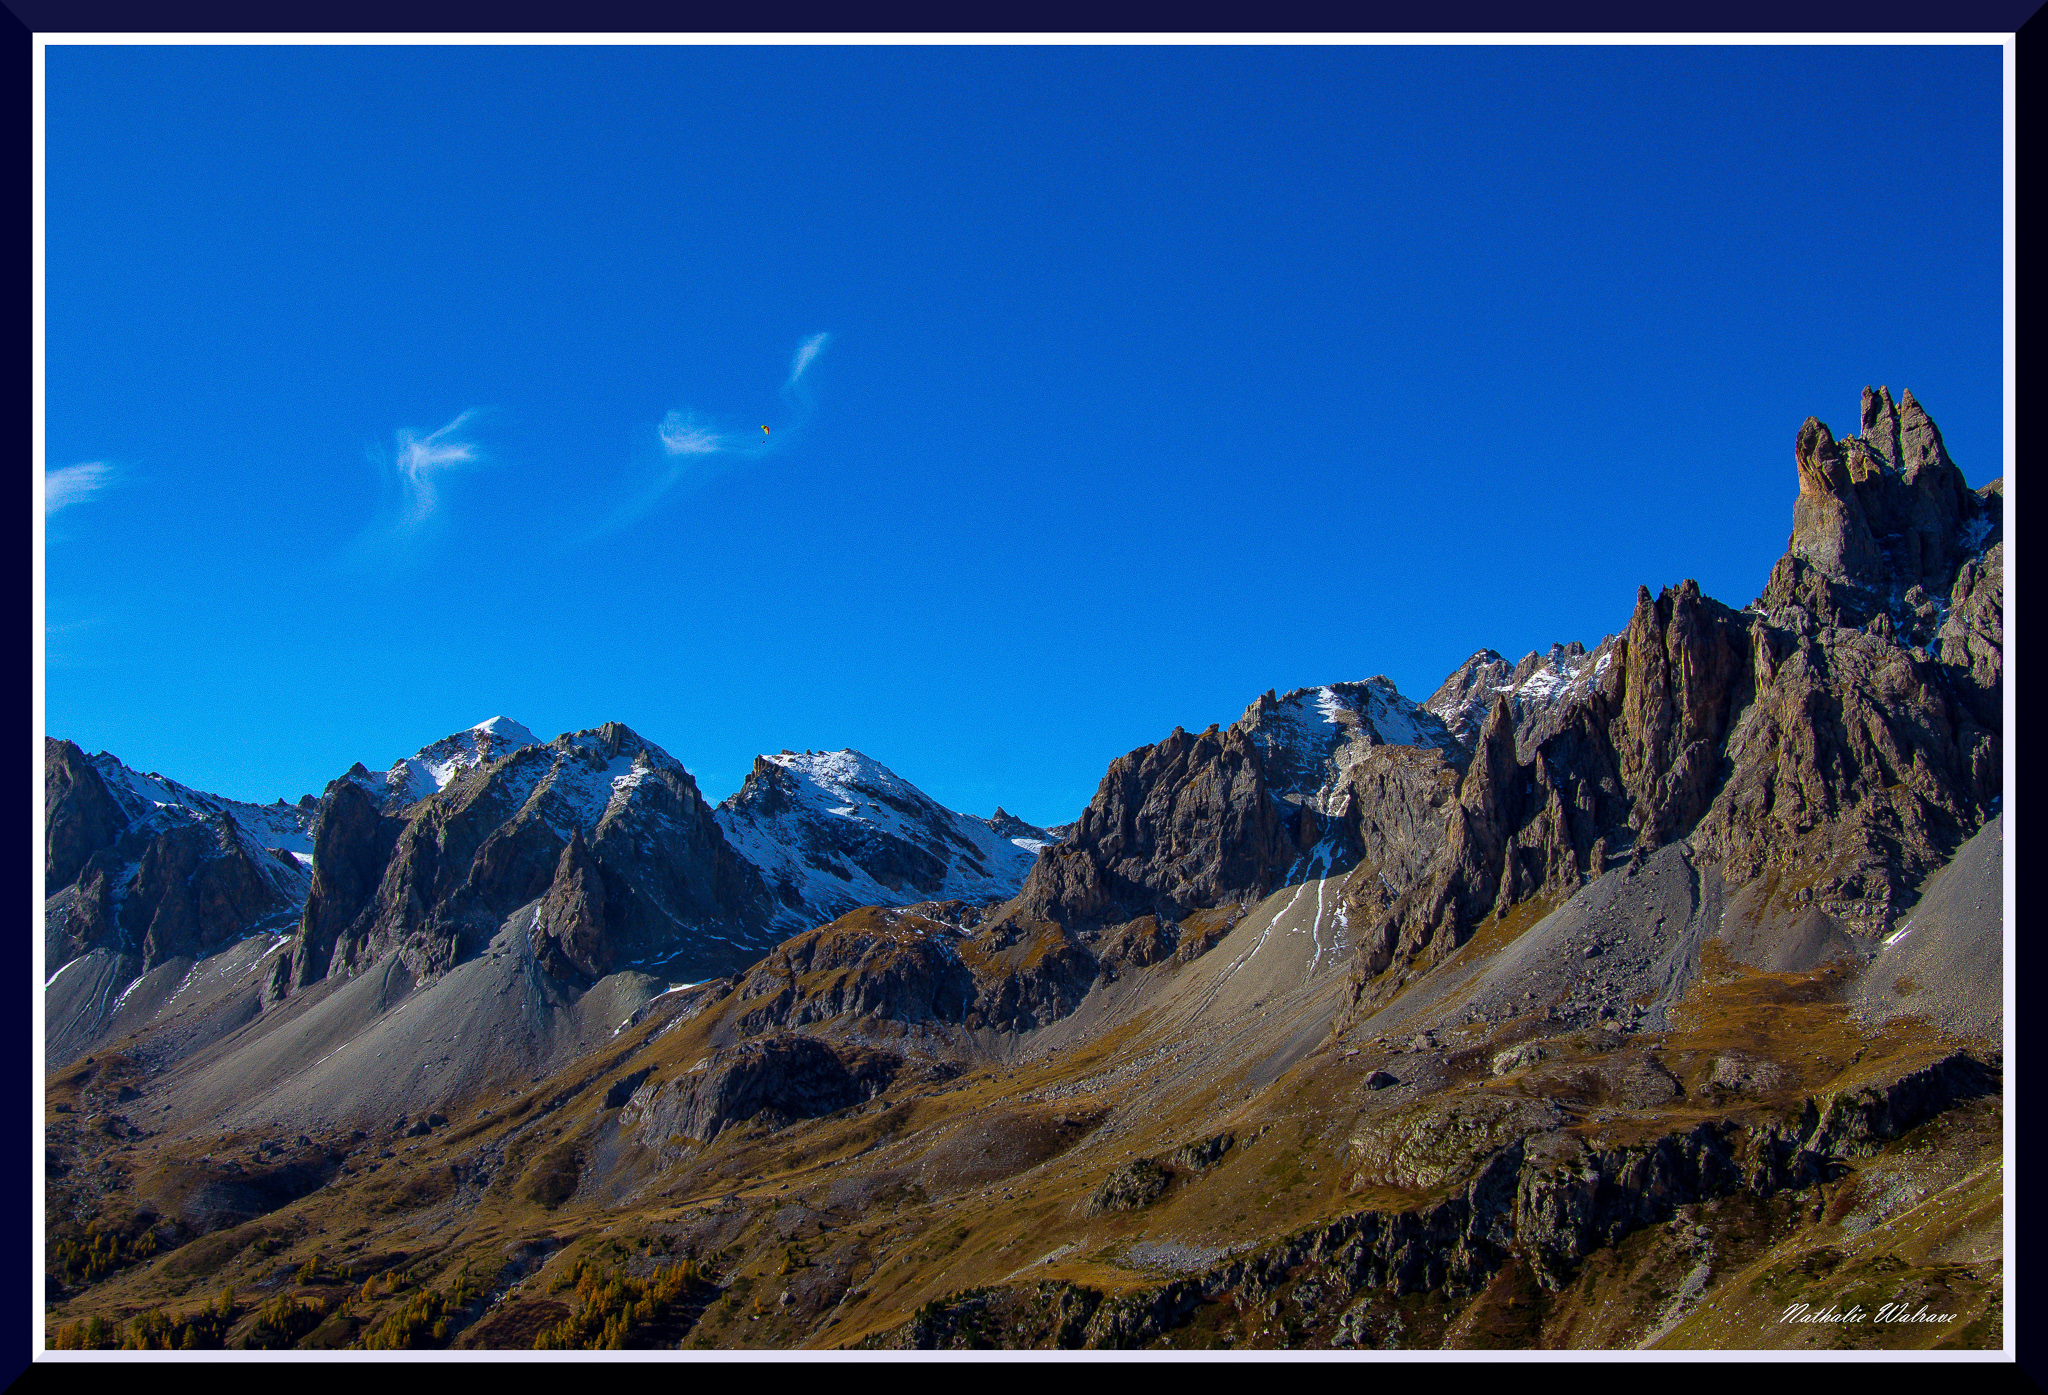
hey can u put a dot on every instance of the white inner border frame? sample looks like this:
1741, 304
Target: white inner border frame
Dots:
1018, 39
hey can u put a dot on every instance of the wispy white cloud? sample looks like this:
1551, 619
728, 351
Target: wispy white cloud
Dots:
805, 352
683, 434
74, 484
421, 458
696, 448
410, 471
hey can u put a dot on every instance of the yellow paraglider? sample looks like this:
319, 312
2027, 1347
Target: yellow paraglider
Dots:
764, 433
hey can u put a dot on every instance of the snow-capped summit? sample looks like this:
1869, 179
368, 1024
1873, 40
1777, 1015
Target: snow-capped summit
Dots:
832, 830
414, 777
605, 828
1310, 736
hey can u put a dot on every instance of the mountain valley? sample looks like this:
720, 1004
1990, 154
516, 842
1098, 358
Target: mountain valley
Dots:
1624, 996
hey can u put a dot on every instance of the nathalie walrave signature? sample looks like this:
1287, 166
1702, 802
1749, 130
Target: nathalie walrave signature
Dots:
1856, 1312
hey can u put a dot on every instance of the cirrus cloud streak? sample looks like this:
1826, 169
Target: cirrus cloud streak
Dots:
74, 484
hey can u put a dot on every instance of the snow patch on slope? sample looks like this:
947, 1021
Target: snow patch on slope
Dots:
159, 802
832, 830
589, 783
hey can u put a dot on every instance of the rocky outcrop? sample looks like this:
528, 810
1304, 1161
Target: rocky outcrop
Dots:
159, 872
1132, 1187
194, 888
79, 816
1970, 639
1184, 824
1860, 1117
182, 890
1137, 944
569, 934
1051, 1314
1026, 974
1397, 802
1509, 831
1202, 1154
1878, 516
876, 963
1872, 746
1832, 544
893, 965
1129, 1319
781, 1078
1544, 1199
1444, 1140
1684, 660
213, 1195
352, 842
1348, 778
1853, 773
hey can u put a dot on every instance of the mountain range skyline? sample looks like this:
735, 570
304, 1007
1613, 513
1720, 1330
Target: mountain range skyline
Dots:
1539, 679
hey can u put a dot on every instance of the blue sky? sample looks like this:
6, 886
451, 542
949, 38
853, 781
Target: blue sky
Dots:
390, 389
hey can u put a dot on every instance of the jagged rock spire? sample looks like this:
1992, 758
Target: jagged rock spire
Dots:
570, 927
1829, 529
1877, 515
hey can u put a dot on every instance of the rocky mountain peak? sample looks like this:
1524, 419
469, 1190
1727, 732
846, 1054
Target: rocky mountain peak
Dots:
1008, 825
352, 841
604, 834
504, 729
1879, 517
1190, 821
603, 825
1842, 735
831, 830
614, 739
1499, 731
144, 866
1829, 529
1308, 737
431, 769
80, 815
1899, 437
1539, 689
